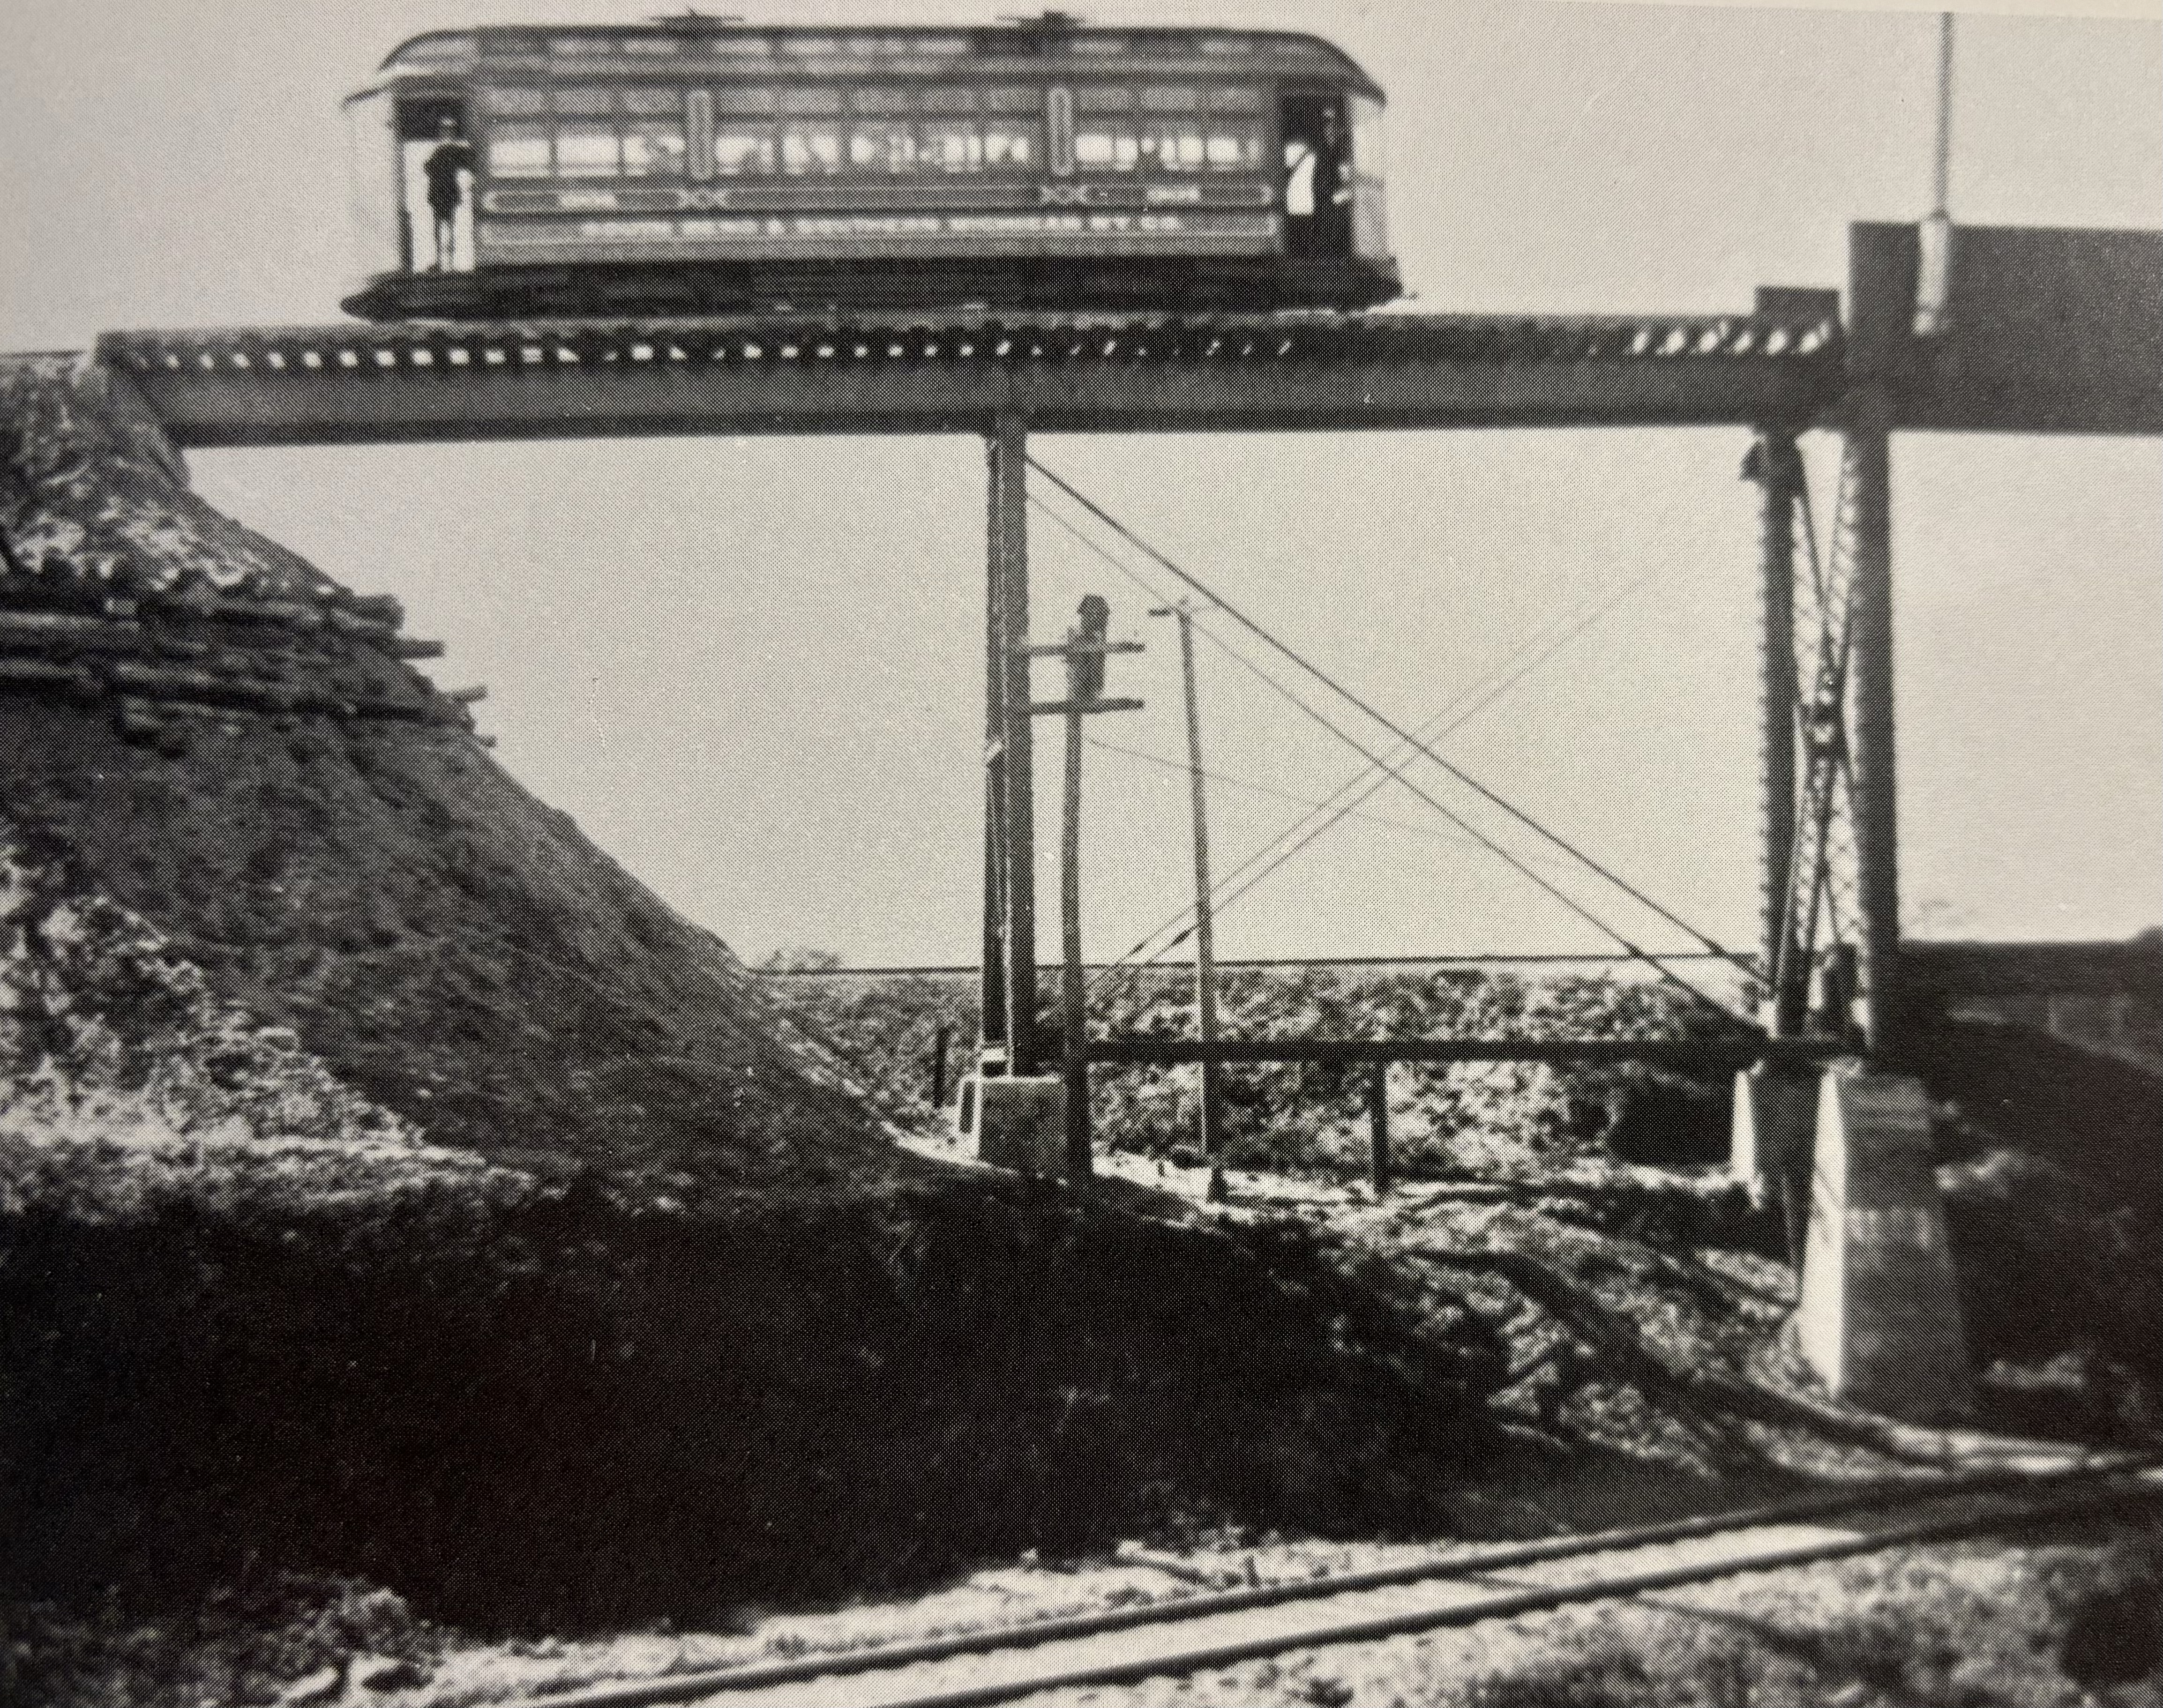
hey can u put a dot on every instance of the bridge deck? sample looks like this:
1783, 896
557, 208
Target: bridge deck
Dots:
355, 384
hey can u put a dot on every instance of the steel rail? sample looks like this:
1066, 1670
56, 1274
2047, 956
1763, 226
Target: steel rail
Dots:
696, 1687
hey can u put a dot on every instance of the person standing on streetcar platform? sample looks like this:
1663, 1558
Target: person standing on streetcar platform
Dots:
448, 163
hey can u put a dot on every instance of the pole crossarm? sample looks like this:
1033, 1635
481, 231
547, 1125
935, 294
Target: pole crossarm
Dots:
1081, 649
1080, 708
877, 373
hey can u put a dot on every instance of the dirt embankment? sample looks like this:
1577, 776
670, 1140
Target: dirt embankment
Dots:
390, 1185
212, 752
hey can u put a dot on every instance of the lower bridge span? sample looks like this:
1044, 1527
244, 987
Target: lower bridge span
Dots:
876, 372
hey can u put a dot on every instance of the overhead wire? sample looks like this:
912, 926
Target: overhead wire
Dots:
1508, 858
1389, 769
1360, 703
1166, 762
1303, 832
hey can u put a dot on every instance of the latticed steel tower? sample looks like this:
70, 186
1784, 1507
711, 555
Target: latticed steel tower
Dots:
1812, 879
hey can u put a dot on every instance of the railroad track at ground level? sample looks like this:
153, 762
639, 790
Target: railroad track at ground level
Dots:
1204, 1632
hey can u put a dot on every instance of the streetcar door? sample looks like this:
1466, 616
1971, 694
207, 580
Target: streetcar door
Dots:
1317, 177
437, 169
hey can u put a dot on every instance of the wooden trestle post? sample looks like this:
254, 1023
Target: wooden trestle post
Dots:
1073, 997
941, 1036
1380, 1170
1205, 939
1084, 651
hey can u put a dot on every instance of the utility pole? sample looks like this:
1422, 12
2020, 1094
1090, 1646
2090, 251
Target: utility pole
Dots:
1205, 943
1084, 651
1935, 237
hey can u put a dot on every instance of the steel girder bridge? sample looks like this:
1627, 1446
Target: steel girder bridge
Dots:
2049, 331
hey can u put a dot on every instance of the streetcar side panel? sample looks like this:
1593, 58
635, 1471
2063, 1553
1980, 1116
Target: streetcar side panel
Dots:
837, 168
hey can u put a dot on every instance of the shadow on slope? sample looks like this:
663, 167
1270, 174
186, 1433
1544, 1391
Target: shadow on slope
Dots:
568, 1410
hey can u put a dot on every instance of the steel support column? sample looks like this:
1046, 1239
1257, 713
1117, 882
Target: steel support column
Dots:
1777, 465
1877, 822
991, 972
1017, 816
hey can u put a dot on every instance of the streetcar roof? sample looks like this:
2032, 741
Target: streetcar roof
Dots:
717, 44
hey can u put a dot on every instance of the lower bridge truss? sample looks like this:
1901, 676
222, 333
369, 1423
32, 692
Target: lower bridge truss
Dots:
434, 381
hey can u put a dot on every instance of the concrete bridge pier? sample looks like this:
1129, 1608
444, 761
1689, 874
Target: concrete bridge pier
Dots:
1879, 1319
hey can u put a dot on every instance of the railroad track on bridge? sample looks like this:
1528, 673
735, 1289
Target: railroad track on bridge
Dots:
1208, 1631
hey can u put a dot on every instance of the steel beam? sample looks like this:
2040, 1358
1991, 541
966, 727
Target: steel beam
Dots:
871, 374
992, 969
1008, 451
1777, 465
1942, 970
1877, 795
2045, 330
1732, 1052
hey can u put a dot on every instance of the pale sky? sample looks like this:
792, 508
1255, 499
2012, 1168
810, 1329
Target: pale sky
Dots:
751, 668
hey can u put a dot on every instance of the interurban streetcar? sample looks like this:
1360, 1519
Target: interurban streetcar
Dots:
695, 165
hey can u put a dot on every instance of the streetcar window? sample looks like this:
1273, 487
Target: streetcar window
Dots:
584, 103
1170, 98
651, 103
1102, 146
819, 103
740, 149
879, 100
587, 151
938, 99
1235, 148
1235, 100
1102, 97
882, 146
1175, 145
653, 149
1367, 138
513, 103
1010, 143
737, 98
810, 150
1014, 99
518, 151
953, 146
